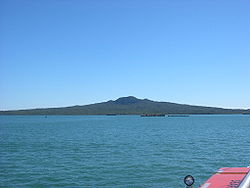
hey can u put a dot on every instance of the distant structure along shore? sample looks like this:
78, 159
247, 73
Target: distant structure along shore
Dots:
152, 115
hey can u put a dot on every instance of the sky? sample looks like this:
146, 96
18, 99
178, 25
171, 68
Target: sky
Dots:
56, 53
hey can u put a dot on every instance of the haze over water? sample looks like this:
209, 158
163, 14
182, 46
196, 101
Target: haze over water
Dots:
119, 151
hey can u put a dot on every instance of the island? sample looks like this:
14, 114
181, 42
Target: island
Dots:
128, 106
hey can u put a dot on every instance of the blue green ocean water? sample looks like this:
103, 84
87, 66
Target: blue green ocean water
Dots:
119, 151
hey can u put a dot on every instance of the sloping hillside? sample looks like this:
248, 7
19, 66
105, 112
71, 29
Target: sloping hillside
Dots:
127, 105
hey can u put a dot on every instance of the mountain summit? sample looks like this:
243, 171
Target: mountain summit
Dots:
125, 106
127, 100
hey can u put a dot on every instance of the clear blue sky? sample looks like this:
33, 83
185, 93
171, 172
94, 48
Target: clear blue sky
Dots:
57, 53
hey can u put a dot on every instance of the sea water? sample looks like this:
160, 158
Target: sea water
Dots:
119, 151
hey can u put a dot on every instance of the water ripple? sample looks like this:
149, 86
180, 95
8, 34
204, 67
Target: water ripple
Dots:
119, 151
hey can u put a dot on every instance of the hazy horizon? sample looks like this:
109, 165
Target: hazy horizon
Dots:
66, 53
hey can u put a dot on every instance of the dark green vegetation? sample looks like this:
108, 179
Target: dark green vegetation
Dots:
126, 106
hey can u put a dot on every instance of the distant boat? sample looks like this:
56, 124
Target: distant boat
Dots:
111, 114
178, 115
152, 115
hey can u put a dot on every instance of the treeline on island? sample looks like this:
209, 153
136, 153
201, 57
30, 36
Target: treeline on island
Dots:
127, 106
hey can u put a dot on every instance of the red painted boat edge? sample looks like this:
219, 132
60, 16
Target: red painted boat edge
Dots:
227, 177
